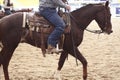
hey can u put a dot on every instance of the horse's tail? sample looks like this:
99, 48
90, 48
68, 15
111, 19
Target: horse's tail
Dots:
0, 63
1, 57
0, 60
1, 71
1, 46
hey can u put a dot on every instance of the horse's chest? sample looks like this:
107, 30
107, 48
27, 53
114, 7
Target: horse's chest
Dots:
78, 37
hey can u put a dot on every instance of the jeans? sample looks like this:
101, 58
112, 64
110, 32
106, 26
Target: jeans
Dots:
7, 12
51, 15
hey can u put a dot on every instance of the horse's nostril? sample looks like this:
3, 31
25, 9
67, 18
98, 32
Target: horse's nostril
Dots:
111, 31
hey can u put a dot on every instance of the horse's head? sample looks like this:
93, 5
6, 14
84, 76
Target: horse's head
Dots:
103, 18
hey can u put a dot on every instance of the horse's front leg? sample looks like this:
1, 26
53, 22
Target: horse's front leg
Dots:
63, 56
80, 57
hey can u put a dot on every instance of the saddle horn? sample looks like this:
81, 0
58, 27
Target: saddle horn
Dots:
107, 3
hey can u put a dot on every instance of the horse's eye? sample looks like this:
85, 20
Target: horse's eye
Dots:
110, 14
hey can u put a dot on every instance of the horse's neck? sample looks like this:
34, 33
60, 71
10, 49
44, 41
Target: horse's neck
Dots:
84, 17
81, 21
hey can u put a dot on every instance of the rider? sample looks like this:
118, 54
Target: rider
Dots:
7, 6
47, 9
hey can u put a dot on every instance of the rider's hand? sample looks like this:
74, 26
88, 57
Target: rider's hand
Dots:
68, 7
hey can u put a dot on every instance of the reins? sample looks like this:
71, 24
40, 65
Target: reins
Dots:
92, 31
73, 44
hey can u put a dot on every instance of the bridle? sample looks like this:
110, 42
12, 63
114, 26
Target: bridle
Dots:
106, 23
94, 31
106, 19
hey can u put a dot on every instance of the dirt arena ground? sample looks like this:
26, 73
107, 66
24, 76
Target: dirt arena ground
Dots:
101, 51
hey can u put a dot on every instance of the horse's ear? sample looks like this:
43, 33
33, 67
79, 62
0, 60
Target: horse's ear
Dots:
107, 3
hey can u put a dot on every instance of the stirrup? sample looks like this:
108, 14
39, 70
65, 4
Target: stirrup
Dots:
52, 49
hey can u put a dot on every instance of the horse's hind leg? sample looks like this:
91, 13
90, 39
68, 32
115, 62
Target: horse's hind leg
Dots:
1, 72
4, 63
5, 56
83, 61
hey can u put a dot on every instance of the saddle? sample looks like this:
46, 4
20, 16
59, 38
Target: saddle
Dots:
38, 23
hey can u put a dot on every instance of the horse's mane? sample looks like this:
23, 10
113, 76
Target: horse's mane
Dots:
87, 6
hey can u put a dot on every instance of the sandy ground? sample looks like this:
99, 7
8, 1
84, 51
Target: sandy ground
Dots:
101, 51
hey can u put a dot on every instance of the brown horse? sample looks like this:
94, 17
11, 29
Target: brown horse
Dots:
11, 31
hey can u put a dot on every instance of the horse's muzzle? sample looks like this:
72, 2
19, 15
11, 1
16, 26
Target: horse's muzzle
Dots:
109, 32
